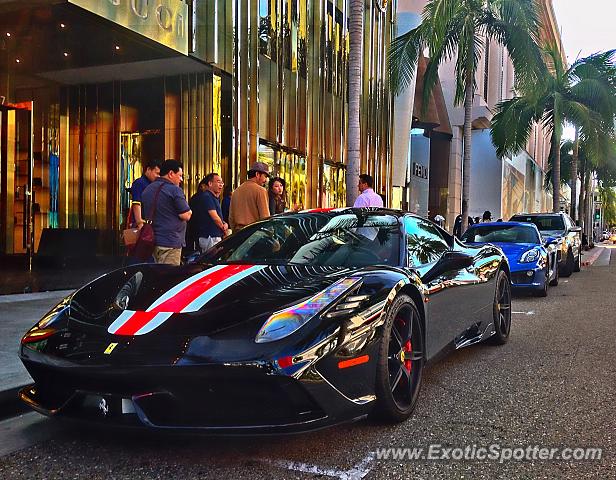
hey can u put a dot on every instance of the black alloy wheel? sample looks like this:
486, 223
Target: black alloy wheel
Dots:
546, 281
578, 263
554, 282
501, 310
401, 361
569, 265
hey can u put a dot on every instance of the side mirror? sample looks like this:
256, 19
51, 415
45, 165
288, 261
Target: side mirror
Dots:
551, 241
454, 260
576, 229
451, 260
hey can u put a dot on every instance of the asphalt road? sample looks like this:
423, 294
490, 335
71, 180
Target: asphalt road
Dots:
553, 385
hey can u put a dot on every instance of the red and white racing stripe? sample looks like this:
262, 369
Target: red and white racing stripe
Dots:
187, 296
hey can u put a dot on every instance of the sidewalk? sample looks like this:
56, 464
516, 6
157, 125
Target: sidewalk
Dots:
17, 314
16, 278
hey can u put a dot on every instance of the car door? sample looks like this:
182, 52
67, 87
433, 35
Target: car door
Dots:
449, 278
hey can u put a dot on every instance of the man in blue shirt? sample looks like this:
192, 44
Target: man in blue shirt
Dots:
151, 173
209, 225
164, 204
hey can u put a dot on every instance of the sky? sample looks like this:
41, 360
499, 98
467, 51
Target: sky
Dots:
587, 26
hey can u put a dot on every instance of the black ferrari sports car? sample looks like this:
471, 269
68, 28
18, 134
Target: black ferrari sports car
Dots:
296, 322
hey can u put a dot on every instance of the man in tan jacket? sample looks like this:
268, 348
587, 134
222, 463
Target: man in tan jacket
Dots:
249, 202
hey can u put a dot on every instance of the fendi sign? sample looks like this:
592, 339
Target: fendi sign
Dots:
164, 21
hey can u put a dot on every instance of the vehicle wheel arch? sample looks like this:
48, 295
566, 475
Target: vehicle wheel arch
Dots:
504, 266
413, 292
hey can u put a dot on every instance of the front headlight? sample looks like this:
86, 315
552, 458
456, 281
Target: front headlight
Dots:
530, 256
285, 322
47, 325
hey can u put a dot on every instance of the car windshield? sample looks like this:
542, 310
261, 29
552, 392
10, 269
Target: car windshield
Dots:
552, 223
501, 234
318, 239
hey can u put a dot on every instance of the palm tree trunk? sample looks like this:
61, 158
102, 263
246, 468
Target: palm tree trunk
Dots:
466, 158
581, 197
556, 173
356, 38
588, 208
574, 173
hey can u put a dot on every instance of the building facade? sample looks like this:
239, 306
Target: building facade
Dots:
92, 90
503, 186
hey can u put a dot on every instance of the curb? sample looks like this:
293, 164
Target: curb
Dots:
10, 404
593, 256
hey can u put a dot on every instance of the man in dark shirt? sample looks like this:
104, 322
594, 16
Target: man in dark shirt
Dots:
164, 204
151, 173
208, 214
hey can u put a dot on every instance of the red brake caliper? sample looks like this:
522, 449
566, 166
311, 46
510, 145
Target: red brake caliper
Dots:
408, 348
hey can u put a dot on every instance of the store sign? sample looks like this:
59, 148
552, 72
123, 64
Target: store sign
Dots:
420, 170
164, 21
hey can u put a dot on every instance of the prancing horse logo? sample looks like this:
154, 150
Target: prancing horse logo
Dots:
103, 407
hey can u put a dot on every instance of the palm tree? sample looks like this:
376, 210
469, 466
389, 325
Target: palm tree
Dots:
577, 94
456, 30
596, 72
356, 39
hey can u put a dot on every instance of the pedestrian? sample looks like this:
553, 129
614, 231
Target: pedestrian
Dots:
475, 220
192, 235
150, 173
277, 195
367, 196
487, 216
164, 204
249, 202
225, 203
457, 225
207, 213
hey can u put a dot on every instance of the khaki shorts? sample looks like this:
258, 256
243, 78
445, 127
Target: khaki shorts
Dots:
170, 256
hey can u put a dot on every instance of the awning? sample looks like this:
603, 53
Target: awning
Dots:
435, 117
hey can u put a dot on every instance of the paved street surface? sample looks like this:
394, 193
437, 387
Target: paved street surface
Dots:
553, 385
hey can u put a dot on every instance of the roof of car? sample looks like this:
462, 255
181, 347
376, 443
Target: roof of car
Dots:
342, 210
502, 224
537, 214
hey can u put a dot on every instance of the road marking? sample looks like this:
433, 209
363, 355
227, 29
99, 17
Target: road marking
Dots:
531, 312
357, 472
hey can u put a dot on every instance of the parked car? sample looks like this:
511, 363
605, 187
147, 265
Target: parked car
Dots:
533, 265
568, 235
293, 323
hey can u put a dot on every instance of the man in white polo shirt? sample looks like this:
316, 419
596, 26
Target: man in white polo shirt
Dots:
367, 197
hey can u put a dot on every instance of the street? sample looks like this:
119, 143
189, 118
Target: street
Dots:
551, 386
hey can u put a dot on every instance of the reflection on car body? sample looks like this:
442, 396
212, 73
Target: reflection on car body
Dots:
293, 323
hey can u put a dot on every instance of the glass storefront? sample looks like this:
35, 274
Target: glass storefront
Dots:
111, 103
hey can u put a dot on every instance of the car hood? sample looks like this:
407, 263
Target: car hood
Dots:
194, 299
513, 251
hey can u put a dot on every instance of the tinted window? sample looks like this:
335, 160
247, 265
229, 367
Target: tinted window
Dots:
548, 222
425, 244
501, 234
346, 240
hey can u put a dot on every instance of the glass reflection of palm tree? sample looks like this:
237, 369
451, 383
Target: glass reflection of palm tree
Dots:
424, 249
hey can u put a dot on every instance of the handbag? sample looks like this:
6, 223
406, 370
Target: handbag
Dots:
144, 246
130, 234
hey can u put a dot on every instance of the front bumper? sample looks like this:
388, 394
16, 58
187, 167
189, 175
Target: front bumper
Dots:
214, 399
530, 278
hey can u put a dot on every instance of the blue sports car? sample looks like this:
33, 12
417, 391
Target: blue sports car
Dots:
533, 264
